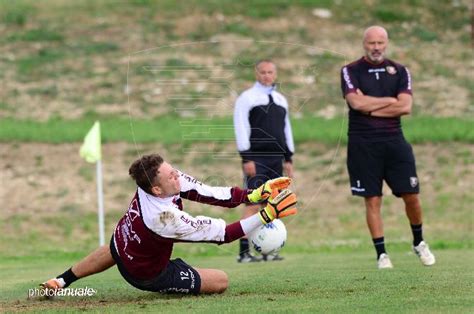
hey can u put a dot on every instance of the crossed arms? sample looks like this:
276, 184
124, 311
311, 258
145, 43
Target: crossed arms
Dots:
384, 107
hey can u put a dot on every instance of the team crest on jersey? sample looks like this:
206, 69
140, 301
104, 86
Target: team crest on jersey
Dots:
391, 70
413, 181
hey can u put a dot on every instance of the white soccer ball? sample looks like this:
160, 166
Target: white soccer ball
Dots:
269, 238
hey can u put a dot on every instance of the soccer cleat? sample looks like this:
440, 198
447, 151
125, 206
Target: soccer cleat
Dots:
247, 258
423, 251
384, 262
53, 284
272, 257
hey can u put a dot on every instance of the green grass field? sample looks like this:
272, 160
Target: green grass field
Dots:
65, 64
188, 131
336, 282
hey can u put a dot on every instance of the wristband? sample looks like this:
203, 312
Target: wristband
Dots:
265, 217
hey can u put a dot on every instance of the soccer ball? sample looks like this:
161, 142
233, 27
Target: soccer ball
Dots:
269, 238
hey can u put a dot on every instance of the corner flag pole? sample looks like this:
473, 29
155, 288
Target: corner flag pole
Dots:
100, 201
91, 152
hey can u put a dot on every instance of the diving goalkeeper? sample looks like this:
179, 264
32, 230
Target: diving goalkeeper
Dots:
143, 240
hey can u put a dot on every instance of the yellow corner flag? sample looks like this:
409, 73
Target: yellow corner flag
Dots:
90, 150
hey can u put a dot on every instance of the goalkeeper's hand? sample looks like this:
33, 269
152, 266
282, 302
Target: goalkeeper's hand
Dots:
265, 190
282, 205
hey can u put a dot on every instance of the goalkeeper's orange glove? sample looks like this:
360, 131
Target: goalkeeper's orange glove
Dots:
265, 190
282, 205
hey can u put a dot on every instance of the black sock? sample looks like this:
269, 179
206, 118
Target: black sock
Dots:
244, 246
68, 277
417, 231
379, 246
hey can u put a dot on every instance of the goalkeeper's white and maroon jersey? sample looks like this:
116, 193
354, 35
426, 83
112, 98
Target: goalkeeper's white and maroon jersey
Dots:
145, 235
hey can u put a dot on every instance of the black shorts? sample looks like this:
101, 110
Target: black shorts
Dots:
369, 163
177, 277
266, 168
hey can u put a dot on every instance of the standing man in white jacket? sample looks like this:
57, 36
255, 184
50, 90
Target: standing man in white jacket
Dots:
264, 139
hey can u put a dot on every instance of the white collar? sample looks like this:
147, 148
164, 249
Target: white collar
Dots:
156, 199
265, 89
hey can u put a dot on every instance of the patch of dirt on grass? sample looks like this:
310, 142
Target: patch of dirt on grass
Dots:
446, 98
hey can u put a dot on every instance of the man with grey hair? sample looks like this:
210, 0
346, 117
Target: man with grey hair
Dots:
378, 91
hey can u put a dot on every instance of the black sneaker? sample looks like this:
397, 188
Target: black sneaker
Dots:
273, 257
248, 258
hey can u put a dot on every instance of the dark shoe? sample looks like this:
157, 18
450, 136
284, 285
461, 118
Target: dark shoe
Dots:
273, 257
247, 258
